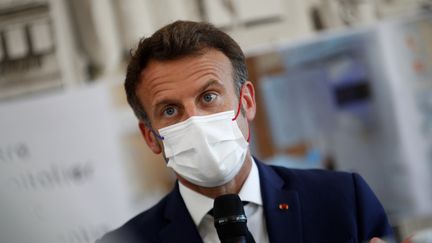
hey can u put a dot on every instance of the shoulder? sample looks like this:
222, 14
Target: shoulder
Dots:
315, 177
331, 188
340, 194
140, 228
313, 180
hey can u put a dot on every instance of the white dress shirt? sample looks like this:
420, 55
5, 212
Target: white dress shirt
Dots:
199, 205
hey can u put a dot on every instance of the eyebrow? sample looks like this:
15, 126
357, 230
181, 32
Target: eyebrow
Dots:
210, 83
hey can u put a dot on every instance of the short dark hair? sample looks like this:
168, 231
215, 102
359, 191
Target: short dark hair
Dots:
174, 41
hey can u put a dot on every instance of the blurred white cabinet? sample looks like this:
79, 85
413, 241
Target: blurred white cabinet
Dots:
255, 23
37, 48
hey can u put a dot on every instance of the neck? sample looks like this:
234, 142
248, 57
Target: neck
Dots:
232, 187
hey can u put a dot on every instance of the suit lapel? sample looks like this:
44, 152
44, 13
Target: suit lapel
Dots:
180, 226
281, 207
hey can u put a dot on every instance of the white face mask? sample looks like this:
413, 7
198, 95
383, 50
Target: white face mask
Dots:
206, 150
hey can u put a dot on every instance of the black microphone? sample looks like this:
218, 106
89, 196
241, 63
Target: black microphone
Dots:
230, 220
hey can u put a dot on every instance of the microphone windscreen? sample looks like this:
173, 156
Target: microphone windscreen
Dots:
227, 205
230, 219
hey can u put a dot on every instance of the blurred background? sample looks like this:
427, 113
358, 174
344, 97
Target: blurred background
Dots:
341, 85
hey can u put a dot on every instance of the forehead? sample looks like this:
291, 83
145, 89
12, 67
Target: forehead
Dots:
182, 77
209, 60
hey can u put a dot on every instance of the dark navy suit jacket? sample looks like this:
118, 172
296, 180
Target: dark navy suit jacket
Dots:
323, 206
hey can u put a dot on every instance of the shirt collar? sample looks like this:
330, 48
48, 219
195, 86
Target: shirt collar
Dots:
198, 205
251, 190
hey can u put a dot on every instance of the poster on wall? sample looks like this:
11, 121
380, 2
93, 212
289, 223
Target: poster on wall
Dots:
61, 178
408, 48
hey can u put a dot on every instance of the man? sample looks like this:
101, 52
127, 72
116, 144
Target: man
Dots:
187, 84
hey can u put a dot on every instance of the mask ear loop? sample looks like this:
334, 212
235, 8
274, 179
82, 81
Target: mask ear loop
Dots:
238, 112
155, 133
239, 104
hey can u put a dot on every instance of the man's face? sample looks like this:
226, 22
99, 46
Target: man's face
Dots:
173, 91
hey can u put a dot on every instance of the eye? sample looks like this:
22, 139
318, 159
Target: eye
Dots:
209, 97
169, 111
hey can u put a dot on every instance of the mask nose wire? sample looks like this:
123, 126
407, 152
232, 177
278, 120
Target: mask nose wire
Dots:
238, 112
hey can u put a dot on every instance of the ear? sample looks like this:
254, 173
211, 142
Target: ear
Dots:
248, 100
150, 138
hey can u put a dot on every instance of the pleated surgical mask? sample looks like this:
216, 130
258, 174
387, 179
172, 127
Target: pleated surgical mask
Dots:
206, 150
